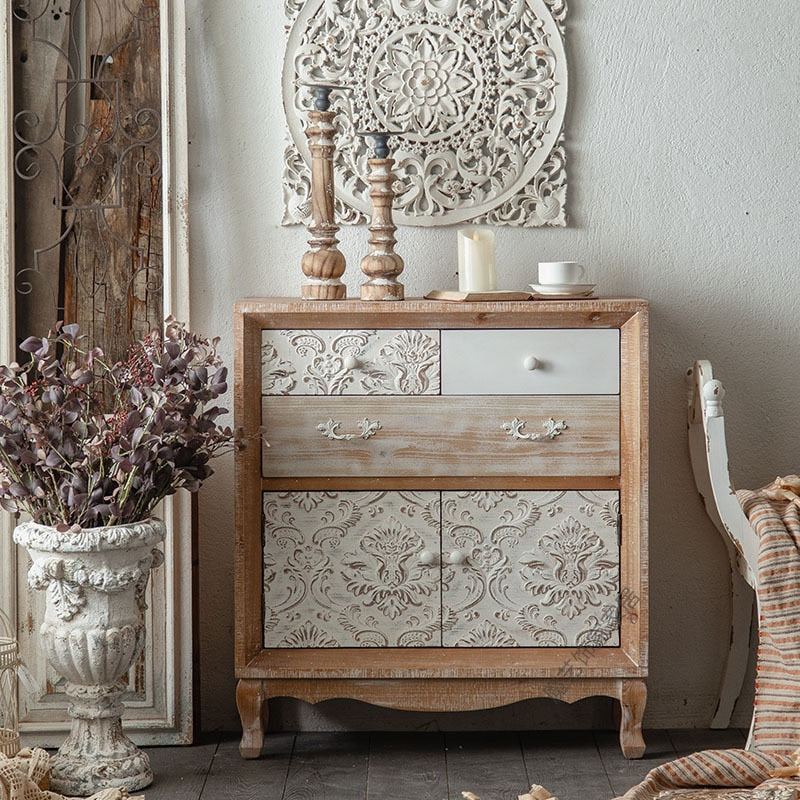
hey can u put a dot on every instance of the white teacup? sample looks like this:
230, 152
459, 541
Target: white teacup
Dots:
561, 272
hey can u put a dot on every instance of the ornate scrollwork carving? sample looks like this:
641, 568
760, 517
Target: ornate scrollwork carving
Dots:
477, 90
551, 429
367, 429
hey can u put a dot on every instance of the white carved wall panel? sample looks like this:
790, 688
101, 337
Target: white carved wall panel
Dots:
537, 569
346, 569
327, 362
476, 88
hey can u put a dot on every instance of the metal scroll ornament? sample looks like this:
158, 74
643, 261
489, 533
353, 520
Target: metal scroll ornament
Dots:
330, 430
551, 429
480, 89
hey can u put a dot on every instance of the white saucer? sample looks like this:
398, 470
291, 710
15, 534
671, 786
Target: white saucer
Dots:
563, 289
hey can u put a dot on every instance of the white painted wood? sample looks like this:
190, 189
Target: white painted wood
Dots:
530, 362
709, 457
493, 98
349, 362
162, 710
420, 436
351, 569
530, 569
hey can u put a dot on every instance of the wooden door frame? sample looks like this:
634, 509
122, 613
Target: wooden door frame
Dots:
172, 721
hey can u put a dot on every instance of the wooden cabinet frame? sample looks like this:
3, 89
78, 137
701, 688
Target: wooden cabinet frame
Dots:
167, 715
422, 679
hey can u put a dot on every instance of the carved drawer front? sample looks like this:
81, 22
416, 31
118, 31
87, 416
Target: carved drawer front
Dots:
351, 569
530, 569
352, 362
452, 436
530, 362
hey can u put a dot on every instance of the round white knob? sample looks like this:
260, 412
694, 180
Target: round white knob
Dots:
457, 557
531, 362
350, 362
426, 558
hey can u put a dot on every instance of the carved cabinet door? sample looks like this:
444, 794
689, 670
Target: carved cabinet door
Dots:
530, 569
351, 569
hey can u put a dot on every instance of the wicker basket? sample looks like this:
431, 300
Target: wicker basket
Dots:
9, 660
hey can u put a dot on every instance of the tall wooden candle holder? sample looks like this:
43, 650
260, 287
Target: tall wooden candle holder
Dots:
382, 265
323, 264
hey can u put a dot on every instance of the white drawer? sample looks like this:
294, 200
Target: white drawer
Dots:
530, 361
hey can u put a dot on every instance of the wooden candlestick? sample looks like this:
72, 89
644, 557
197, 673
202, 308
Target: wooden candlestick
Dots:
324, 264
382, 265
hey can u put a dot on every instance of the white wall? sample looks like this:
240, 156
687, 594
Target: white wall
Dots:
682, 134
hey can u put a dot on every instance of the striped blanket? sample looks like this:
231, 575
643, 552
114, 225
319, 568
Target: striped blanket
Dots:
774, 759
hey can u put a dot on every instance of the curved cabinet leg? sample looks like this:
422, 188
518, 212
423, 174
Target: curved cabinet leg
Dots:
632, 699
251, 700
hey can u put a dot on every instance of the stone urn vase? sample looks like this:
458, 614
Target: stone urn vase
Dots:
93, 631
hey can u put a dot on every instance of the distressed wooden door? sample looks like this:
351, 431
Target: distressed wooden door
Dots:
94, 175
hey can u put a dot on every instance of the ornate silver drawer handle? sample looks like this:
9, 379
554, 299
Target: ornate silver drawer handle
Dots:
551, 429
366, 427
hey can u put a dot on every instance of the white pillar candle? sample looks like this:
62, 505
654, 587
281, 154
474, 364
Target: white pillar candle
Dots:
476, 270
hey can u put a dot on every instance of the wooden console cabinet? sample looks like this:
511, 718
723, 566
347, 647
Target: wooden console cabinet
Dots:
451, 511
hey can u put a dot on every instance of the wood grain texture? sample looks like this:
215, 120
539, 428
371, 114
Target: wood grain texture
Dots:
415, 761
113, 253
487, 766
453, 436
447, 679
179, 773
231, 778
326, 767
567, 763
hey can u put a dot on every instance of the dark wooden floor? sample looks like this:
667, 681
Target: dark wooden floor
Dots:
581, 765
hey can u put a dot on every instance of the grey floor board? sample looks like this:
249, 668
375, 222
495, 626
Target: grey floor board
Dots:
580, 765
232, 777
690, 740
328, 766
566, 763
626, 772
408, 765
489, 765
179, 773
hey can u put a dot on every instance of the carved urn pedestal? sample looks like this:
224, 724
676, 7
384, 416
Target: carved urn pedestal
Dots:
92, 633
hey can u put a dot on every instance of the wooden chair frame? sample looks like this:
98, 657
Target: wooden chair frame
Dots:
709, 457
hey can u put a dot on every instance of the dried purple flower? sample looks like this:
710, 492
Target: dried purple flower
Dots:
85, 443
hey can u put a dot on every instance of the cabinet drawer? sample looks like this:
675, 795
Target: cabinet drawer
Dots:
448, 436
562, 361
349, 362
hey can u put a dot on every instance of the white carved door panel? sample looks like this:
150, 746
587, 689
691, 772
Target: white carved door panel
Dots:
347, 362
351, 569
530, 569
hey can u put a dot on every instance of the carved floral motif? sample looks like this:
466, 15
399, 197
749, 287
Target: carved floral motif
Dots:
477, 91
541, 566
350, 362
343, 569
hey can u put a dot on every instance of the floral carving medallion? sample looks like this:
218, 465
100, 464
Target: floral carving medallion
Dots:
476, 91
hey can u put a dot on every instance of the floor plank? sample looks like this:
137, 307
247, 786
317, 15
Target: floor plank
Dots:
179, 773
489, 765
624, 772
566, 763
414, 761
235, 778
689, 740
328, 766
